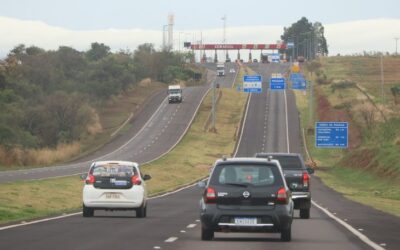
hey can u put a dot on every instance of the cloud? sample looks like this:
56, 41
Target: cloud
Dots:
345, 38
357, 36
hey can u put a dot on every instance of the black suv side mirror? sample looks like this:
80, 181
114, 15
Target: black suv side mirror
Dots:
310, 170
146, 177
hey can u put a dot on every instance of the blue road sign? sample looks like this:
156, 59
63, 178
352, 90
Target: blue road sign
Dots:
331, 134
252, 83
300, 84
298, 81
277, 83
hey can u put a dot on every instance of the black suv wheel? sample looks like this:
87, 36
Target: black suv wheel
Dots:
207, 234
305, 213
286, 234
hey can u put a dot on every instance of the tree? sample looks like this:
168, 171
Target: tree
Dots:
97, 51
308, 38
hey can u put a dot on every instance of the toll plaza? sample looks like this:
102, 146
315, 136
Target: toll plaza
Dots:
238, 47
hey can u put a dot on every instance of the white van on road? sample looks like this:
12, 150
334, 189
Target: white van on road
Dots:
174, 93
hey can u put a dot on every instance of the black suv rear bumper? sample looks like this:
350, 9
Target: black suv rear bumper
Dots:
302, 200
274, 220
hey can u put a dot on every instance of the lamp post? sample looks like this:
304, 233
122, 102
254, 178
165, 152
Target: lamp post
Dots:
179, 39
164, 38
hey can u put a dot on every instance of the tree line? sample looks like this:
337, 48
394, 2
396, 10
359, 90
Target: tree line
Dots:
308, 39
50, 97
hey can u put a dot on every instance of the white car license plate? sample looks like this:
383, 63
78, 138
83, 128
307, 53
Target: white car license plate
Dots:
112, 196
246, 221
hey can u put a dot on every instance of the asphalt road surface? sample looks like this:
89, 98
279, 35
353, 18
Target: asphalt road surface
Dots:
172, 221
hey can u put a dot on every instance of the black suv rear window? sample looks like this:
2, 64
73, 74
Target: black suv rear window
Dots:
246, 174
113, 170
288, 162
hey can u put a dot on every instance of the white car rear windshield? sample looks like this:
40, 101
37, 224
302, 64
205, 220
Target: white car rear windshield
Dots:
108, 170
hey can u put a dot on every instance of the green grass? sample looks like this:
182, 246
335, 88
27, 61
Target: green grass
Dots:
370, 173
364, 188
33, 199
186, 163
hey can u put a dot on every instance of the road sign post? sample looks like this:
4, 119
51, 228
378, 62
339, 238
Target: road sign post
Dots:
252, 84
331, 134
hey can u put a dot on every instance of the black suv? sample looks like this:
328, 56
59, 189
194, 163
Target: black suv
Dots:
297, 177
246, 195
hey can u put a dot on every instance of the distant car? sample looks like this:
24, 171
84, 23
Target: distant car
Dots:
114, 185
232, 70
297, 176
246, 195
255, 61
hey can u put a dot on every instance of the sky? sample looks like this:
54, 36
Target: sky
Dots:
351, 26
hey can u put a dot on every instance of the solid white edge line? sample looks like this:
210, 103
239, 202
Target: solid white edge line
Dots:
38, 221
243, 125
287, 123
123, 124
361, 236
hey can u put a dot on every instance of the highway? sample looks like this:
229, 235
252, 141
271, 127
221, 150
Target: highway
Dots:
271, 124
155, 130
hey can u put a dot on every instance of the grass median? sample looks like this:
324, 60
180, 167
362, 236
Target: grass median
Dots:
187, 162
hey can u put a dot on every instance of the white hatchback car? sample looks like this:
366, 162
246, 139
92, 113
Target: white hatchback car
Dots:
114, 185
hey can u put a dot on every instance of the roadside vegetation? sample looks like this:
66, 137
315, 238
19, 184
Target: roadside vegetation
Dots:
188, 162
55, 105
350, 89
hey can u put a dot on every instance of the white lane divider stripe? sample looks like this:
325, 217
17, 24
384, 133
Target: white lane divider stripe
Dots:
191, 225
24, 223
171, 239
362, 237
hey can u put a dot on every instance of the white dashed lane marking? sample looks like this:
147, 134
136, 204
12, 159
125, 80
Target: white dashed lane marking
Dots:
171, 239
191, 225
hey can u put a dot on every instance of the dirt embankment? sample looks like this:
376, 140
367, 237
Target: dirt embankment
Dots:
326, 113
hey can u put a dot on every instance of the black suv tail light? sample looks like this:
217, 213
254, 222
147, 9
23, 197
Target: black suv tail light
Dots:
210, 195
306, 180
282, 196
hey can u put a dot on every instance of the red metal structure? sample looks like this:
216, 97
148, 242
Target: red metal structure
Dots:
236, 46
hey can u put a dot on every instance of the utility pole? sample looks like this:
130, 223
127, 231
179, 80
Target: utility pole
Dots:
213, 129
396, 39
382, 80
310, 104
224, 35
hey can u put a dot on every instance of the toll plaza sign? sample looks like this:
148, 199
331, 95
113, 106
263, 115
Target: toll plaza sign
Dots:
252, 83
331, 134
